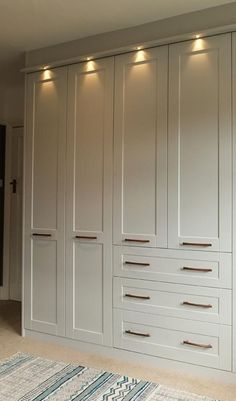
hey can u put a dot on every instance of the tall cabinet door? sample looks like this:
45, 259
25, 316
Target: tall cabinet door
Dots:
89, 201
44, 244
199, 212
140, 175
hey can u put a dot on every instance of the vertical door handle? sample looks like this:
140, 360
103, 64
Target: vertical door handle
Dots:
13, 183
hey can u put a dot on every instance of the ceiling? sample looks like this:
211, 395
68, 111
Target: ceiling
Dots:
30, 24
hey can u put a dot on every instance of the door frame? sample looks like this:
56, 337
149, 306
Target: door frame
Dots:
15, 287
4, 290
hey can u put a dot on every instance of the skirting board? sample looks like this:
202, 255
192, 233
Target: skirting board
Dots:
129, 356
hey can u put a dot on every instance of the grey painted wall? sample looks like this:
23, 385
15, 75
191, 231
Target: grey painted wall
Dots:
170, 27
12, 91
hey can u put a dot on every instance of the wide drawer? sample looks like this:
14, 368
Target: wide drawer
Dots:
208, 269
199, 343
182, 301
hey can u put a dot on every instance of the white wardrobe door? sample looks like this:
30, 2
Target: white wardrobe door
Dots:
89, 201
44, 257
140, 151
199, 212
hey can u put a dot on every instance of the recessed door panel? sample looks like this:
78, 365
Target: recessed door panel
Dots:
45, 155
140, 192
44, 281
200, 145
88, 288
139, 153
89, 139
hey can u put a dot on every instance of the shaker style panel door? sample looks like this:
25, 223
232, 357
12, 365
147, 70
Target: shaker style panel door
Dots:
89, 201
140, 150
44, 258
199, 146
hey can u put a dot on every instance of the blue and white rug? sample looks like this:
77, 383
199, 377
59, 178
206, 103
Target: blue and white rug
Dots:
28, 378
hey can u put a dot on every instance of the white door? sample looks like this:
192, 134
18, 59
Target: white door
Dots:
44, 259
200, 169
89, 201
16, 214
140, 151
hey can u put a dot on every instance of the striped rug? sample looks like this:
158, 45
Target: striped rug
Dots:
28, 378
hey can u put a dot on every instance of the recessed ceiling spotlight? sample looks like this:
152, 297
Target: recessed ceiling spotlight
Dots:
139, 48
46, 67
89, 58
197, 36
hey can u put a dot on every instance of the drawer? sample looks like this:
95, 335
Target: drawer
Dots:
182, 301
199, 343
185, 267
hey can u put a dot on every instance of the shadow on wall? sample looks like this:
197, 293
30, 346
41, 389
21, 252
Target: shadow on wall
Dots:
12, 90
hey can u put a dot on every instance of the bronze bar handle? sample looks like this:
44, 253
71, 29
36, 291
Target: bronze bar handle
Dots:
137, 240
134, 333
197, 269
137, 296
198, 305
136, 263
195, 244
84, 237
41, 235
206, 346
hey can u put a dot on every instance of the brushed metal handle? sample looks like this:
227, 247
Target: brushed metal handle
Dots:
136, 240
84, 237
136, 263
137, 296
195, 244
206, 346
134, 333
41, 235
198, 305
196, 269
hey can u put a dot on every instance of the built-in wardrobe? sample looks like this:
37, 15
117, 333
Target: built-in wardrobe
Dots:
128, 202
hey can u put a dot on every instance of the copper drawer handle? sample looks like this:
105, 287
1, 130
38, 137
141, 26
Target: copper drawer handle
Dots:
206, 346
137, 240
195, 244
41, 235
136, 296
136, 263
198, 305
196, 269
134, 333
84, 237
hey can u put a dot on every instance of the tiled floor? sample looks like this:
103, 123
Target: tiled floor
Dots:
11, 342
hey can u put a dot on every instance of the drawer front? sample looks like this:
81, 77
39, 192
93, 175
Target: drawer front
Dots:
184, 267
182, 301
199, 343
